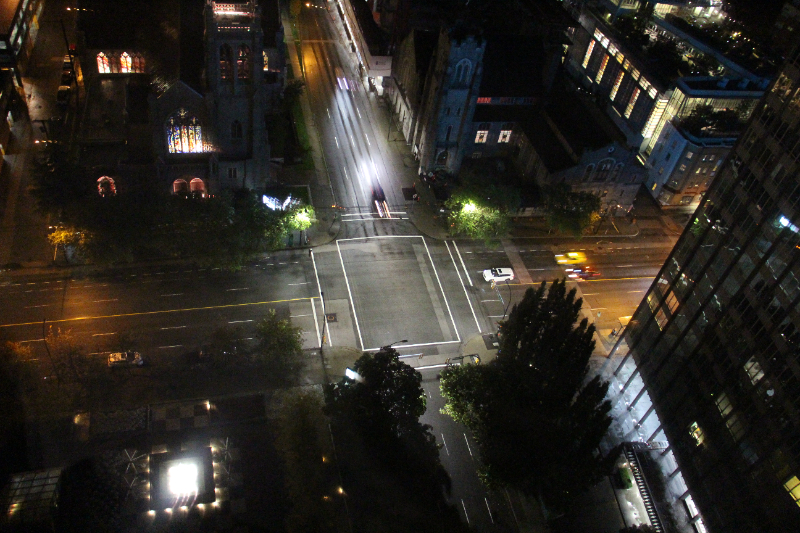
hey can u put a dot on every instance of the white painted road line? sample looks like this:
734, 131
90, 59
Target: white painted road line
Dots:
175, 294
316, 322
435, 273
468, 446
297, 316
174, 327
304, 283
103, 334
241, 289
167, 347
34, 306
30, 340
350, 294
238, 321
463, 265
466, 295
465, 510
319, 288
445, 444
108, 300
489, 509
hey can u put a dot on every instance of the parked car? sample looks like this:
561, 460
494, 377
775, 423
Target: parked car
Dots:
67, 65
67, 77
498, 274
129, 358
62, 97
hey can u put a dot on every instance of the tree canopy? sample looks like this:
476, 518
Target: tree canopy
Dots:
538, 422
280, 346
145, 223
568, 211
387, 402
479, 208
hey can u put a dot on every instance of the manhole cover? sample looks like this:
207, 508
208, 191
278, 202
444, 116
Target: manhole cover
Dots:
331, 317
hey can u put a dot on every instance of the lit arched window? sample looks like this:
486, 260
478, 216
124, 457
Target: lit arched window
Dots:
236, 130
180, 187
138, 63
125, 63
184, 133
197, 187
225, 62
243, 63
102, 64
106, 186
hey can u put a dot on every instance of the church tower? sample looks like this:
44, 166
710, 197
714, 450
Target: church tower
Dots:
236, 92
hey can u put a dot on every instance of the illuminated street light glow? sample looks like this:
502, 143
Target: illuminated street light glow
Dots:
182, 479
469, 207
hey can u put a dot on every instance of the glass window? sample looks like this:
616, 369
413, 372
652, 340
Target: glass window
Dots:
225, 68
483, 133
243, 63
505, 136
125, 63
184, 133
102, 64
632, 102
689, 155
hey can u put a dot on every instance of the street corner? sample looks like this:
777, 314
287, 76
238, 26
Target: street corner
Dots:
338, 359
481, 348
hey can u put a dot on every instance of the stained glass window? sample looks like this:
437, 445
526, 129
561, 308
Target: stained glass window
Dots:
125, 63
184, 134
102, 64
138, 63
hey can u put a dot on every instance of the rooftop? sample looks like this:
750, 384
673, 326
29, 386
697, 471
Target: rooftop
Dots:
512, 66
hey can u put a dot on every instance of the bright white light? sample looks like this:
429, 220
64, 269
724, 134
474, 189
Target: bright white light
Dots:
182, 479
786, 223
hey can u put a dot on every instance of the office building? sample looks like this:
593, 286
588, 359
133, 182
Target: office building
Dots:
710, 366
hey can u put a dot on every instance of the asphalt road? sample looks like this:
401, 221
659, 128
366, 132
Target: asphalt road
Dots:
382, 281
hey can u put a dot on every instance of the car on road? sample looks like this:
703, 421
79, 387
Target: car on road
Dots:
123, 359
498, 274
379, 199
582, 273
570, 258
341, 79
62, 97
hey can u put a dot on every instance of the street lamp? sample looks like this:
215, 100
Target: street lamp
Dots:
392, 344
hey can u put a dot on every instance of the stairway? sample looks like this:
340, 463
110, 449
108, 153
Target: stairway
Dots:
644, 491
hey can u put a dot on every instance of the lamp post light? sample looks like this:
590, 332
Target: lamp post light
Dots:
392, 344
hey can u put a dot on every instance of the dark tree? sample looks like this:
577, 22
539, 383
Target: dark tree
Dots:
387, 402
280, 347
567, 211
537, 420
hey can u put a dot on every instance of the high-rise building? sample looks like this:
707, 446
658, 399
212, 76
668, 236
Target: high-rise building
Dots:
715, 345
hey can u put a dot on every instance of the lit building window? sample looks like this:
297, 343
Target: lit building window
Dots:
505, 136
793, 488
617, 83
632, 102
655, 117
484, 100
753, 370
180, 187
125, 63
102, 64
106, 186
588, 53
602, 69
243, 61
197, 187
138, 63
483, 133
184, 134
225, 69
697, 433
266, 61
